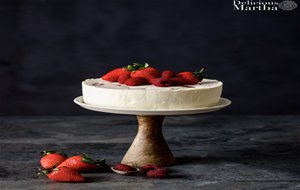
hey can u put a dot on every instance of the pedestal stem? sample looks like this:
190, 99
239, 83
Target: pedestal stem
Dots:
149, 145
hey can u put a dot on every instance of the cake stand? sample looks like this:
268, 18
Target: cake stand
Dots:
149, 145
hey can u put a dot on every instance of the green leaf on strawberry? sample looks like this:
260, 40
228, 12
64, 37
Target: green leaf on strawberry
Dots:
47, 152
85, 158
199, 73
137, 66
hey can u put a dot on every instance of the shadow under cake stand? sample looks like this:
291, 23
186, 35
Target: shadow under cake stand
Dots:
149, 145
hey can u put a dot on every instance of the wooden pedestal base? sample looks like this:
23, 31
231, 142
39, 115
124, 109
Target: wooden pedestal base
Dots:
149, 145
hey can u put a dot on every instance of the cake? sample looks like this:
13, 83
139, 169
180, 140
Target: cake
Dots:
114, 95
139, 86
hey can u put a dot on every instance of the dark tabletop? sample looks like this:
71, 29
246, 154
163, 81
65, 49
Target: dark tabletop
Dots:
212, 152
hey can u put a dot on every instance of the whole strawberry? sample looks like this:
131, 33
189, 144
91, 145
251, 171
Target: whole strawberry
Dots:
82, 163
144, 71
135, 81
124, 167
161, 82
114, 75
192, 77
64, 174
51, 159
167, 74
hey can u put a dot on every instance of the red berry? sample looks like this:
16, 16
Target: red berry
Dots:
161, 82
114, 75
148, 167
158, 173
65, 174
51, 159
135, 81
188, 77
177, 81
124, 167
81, 163
167, 74
122, 78
192, 77
147, 73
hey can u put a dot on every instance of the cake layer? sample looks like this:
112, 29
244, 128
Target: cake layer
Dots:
112, 94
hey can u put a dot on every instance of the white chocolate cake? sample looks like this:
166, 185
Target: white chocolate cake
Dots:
114, 95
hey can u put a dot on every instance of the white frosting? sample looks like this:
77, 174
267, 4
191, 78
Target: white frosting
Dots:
112, 94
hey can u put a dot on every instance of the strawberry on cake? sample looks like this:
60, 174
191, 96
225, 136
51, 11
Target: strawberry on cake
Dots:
139, 86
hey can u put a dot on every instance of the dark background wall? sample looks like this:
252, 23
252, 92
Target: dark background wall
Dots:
47, 47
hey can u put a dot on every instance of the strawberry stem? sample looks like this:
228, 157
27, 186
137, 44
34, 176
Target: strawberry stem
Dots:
46, 152
199, 73
44, 172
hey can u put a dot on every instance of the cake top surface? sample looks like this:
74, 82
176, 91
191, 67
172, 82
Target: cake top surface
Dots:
100, 83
